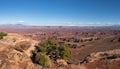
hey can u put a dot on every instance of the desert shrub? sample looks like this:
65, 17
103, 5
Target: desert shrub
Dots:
53, 49
42, 59
46, 45
23, 45
42, 47
53, 52
51, 41
2, 34
65, 52
1, 37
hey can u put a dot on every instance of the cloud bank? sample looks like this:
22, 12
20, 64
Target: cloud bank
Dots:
61, 23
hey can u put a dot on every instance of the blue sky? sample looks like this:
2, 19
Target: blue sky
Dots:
60, 12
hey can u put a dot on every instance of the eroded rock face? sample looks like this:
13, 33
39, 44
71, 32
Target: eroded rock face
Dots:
112, 54
12, 58
16, 60
61, 62
103, 60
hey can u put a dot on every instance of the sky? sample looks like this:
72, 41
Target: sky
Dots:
60, 12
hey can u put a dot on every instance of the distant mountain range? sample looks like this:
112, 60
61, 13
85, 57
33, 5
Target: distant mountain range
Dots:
114, 26
12, 25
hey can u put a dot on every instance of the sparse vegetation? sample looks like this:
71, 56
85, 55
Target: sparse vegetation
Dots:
23, 45
2, 34
53, 50
101, 51
42, 59
65, 52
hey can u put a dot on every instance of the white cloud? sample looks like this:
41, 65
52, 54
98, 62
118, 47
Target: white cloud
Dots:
62, 23
20, 21
12, 22
91, 23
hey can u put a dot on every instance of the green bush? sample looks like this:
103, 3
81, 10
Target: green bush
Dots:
2, 34
65, 52
42, 59
51, 41
42, 47
53, 49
